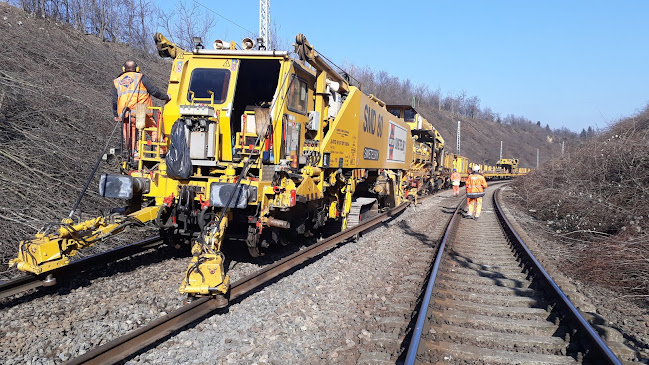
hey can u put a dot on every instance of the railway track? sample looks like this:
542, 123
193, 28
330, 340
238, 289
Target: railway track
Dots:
488, 300
131, 343
28, 282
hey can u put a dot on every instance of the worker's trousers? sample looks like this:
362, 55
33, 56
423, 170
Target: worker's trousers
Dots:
475, 205
131, 137
456, 190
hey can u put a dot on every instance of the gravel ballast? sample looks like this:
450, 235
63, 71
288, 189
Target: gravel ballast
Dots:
351, 305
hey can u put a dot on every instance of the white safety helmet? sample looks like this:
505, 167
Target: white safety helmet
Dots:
476, 168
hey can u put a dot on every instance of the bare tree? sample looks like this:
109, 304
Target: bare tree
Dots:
186, 21
472, 106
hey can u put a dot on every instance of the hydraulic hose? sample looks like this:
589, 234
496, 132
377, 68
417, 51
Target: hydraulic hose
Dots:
246, 165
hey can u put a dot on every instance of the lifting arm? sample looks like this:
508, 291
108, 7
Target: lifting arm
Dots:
309, 54
48, 251
165, 47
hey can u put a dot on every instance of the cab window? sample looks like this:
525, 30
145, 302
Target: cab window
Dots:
297, 96
204, 80
409, 115
396, 112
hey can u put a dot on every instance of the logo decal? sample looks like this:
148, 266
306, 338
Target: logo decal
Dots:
372, 121
396, 143
126, 81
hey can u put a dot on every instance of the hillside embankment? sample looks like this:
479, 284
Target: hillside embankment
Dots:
594, 201
55, 119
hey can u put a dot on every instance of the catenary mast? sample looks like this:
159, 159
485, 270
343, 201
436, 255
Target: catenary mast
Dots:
264, 22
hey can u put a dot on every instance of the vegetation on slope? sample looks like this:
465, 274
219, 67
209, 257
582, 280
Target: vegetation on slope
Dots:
482, 130
55, 119
594, 199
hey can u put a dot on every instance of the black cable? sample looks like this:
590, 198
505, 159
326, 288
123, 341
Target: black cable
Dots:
246, 165
92, 174
94, 170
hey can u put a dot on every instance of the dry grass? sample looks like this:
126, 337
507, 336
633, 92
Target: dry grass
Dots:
595, 200
55, 119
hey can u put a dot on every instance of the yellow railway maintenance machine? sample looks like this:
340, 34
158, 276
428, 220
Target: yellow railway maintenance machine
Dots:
257, 143
425, 173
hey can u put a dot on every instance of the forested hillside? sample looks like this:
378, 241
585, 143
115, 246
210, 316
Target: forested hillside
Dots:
482, 129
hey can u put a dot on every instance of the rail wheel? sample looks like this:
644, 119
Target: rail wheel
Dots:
252, 241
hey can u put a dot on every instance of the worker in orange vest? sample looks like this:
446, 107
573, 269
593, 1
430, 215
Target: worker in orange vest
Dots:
131, 88
455, 181
475, 185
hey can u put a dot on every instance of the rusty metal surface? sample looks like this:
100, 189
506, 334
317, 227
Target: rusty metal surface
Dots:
19, 285
130, 343
488, 302
122, 347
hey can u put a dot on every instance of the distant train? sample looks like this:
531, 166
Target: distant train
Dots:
262, 146
505, 168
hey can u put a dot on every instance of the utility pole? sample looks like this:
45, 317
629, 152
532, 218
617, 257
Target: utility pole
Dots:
264, 22
537, 158
458, 137
501, 150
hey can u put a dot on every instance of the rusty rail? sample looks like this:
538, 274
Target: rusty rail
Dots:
129, 344
592, 347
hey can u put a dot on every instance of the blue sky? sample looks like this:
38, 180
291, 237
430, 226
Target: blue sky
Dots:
568, 64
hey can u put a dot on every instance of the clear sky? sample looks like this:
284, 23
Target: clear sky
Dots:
568, 64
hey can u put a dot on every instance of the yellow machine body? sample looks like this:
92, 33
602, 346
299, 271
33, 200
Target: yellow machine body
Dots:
257, 145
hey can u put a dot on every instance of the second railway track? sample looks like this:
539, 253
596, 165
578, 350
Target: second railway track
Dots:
27, 282
488, 301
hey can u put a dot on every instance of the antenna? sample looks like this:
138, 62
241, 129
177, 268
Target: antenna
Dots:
264, 22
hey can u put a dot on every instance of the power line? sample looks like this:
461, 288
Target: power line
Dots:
247, 30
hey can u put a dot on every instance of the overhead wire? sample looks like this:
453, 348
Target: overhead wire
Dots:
240, 26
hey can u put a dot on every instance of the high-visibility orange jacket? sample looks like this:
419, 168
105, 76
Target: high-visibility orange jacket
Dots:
131, 91
455, 176
475, 183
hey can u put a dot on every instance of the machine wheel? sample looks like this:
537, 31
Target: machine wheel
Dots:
252, 241
254, 252
283, 239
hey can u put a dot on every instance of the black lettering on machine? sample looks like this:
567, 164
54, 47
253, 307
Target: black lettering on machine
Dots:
372, 122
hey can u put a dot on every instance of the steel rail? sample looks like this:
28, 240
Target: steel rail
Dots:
600, 351
603, 353
27, 282
124, 346
421, 317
